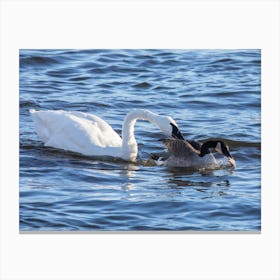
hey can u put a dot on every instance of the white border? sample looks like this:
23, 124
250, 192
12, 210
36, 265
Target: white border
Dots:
140, 24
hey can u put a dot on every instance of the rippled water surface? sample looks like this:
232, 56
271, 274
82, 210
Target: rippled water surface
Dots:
210, 93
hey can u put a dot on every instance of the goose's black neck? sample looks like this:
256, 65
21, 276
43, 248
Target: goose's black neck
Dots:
205, 148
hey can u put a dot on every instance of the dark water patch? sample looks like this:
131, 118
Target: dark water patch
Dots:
29, 104
223, 60
234, 94
143, 85
126, 70
257, 61
149, 228
36, 61
78, 79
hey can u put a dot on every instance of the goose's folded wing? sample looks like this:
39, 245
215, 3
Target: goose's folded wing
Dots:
180, 148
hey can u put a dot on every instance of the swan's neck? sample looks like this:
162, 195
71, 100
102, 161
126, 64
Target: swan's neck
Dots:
129, 144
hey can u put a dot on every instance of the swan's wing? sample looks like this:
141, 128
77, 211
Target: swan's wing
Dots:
180, 148
106, 134
77, 132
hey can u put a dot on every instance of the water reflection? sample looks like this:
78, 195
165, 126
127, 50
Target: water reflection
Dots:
127, 174
178, 171
128, 186
209, 183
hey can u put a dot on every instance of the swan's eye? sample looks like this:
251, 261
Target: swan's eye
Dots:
176, 132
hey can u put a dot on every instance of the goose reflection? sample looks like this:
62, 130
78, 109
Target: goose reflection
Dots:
208, 185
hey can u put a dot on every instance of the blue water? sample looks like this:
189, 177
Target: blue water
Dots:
210, 93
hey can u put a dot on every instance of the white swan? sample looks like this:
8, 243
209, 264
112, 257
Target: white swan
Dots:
89, 135
193, 154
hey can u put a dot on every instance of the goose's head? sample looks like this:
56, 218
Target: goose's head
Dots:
220, 147
223, 149
169, 127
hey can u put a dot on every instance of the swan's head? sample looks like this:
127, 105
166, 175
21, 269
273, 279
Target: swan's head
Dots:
169, 127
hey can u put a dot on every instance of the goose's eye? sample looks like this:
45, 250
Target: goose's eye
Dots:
176, 133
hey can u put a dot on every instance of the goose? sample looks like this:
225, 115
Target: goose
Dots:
193, 154
89, 135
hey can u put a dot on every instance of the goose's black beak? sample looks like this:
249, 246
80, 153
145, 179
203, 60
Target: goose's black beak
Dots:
176, 133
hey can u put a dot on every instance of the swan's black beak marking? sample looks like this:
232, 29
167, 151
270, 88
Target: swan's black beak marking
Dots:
176, 132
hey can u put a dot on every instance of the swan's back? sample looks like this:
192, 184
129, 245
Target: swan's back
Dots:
75, 131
